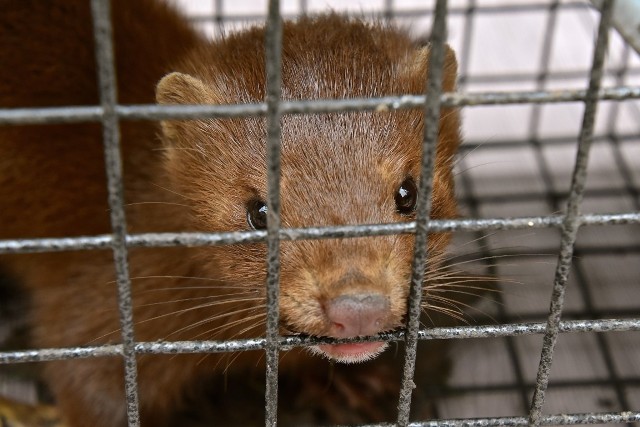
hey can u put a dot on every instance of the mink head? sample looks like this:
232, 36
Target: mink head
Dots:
337, 169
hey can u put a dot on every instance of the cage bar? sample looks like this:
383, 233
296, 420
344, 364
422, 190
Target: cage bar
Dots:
273, 48
23, 116
101, 15
571, 222
293, 234
288, 342
423, 209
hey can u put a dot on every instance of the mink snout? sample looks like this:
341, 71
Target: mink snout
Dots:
357, 315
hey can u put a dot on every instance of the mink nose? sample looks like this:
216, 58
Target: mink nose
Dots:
357, 315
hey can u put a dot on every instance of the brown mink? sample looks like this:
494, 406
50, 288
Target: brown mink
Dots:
210, 175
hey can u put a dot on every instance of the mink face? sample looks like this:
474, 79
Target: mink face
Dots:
337, 169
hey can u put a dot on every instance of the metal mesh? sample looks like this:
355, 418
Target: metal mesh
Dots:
571, 256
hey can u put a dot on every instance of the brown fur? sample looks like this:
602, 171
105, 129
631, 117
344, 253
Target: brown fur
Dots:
336, 169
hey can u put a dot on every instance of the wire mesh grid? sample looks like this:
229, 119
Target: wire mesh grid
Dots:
541, 200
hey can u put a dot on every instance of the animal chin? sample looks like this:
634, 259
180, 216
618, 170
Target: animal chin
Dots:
350, 352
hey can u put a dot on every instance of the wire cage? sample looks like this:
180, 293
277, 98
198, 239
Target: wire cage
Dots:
548, 178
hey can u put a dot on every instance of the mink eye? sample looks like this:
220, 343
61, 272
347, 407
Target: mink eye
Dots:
257, 214
406, 197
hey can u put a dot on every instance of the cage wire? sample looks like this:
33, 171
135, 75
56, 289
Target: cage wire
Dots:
545, 105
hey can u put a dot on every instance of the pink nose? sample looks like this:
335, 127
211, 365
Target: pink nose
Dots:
357, 315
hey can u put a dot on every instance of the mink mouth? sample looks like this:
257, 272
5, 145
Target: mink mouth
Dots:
348, 353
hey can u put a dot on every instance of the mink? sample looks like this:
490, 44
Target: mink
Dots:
210, 175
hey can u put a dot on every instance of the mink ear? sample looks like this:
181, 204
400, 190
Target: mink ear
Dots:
179, 88
418, 63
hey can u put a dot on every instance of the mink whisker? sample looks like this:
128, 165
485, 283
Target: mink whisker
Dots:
460, 285
220, 296
197, 307
221, 328
226, 355
456, 280
156, 203
179, 312
457, 304
233, 311
173, 192
465, 170
230, 362
459, 159
474, 260
446, 311
208, 279
193, 288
